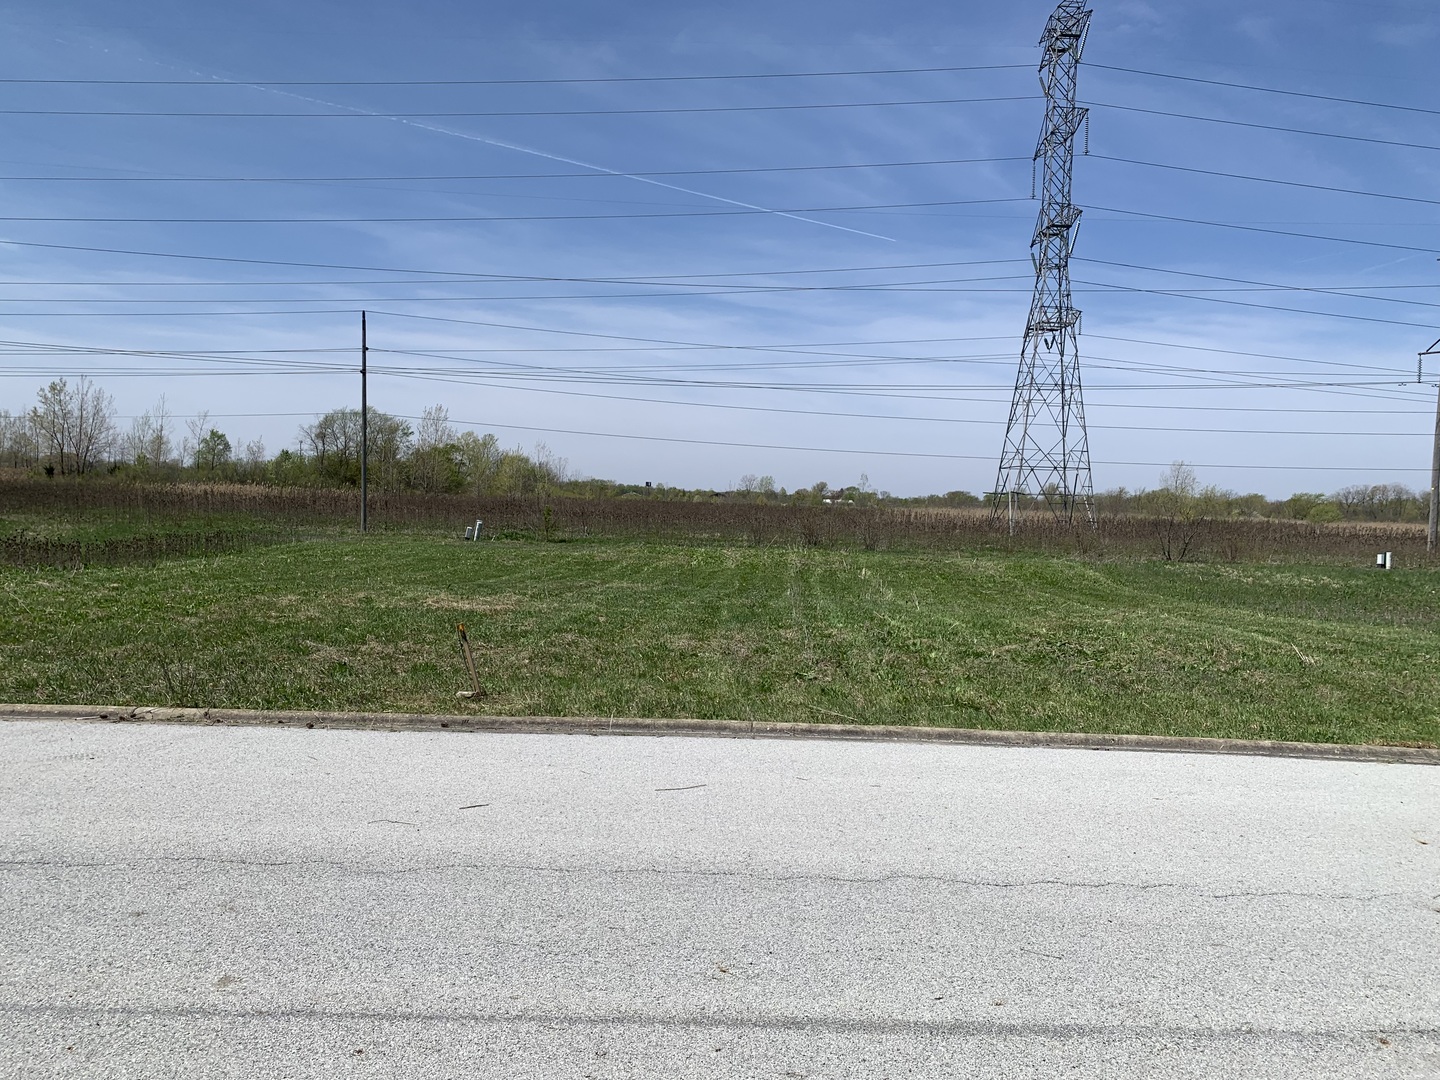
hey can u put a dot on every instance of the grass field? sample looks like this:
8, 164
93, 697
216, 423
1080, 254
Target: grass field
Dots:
741, 631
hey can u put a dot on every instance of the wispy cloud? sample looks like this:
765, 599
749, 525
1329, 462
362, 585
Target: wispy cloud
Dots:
1418, 34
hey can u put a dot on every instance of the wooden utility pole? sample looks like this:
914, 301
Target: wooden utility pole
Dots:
1434, 479
364, 430
1435, 454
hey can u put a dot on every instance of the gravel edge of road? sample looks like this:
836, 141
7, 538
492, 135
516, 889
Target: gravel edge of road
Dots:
733, 729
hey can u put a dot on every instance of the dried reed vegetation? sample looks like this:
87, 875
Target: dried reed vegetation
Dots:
113, 523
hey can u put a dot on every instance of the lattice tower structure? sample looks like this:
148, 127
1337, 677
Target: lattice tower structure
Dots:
1047, 451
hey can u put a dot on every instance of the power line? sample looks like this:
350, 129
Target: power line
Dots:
1264, 127
156, 373
1269, 180
1091, 288
613, 377
866, 207
1268, 90
1356, 292
1263, 286
677, 283
586, 334
1233, 352
167, 314
1327, 433
813, 349
681, 292
250, 83
510, 176
1181, 294
892, 453
1112, 405
629, 377
622, 377
582, 375
848, 359
369, 115
1266, 231
461, 275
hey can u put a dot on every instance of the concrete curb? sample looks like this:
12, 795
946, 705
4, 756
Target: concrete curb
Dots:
725, 729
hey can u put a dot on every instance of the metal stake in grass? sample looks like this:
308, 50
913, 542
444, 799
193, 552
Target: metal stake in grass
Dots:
469, 664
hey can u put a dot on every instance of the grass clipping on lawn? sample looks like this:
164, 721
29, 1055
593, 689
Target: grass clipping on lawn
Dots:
1022, 642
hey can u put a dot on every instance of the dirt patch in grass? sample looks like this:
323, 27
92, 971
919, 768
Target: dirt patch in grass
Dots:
478, 605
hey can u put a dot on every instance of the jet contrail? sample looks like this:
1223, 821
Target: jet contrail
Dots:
520, 149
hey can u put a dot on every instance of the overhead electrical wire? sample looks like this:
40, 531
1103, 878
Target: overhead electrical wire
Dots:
1434, 250
1265, 89
741, 212
249, 83
649, 374
1369, 293
692, 291
567, 333
1261, 286
1281, 128
677, 283
1328, 188
1110, 405
1085, 287
645, 372
812, 347
1182, 294
512, 176
460, 275
1351, 291
530, 114
656, 378
170, 314
652, 376
1328, 433
897, 453
902, 392
826, 352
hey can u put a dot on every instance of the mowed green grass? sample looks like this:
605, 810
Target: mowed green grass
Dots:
742, 633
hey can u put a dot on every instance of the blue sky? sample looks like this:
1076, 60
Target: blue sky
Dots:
836, 262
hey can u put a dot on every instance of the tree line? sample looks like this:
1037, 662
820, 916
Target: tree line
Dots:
72, 430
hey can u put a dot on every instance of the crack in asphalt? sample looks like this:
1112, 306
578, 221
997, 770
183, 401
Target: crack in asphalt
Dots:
650, 871
968, 1028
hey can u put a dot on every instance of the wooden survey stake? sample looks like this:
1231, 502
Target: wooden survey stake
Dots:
469, 659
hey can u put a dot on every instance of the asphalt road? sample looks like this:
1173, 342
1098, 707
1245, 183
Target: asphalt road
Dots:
244, 902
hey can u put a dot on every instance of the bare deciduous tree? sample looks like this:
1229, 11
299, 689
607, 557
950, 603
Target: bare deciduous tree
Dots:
198, 427
19, 445
434, 429
149, 441
75, 425
434, 459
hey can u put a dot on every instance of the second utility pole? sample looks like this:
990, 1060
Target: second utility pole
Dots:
364, 430
1435, 454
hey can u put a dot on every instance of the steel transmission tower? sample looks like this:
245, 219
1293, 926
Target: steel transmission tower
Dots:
1047, 453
